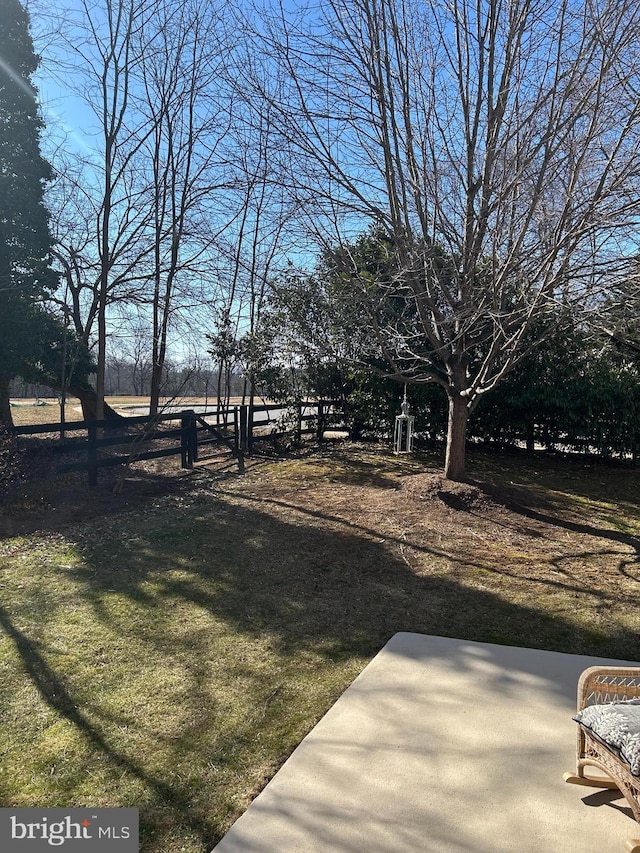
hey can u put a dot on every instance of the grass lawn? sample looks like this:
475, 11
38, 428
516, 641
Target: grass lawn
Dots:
168, 647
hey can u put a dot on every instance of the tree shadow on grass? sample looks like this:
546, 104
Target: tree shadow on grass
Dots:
462, 558
54, 693
308, 584
535, 508
311, 580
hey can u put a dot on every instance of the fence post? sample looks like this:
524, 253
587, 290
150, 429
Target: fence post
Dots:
92, 453
320, 425
236, 430
238, 451
244, 412
187, 426
193, 439
250, 429
298, 436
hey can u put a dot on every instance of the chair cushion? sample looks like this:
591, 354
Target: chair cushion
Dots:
617, 725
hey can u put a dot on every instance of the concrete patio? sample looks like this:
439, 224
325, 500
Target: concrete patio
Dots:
440, 745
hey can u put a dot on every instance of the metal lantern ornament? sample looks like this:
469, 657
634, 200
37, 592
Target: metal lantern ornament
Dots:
403, 434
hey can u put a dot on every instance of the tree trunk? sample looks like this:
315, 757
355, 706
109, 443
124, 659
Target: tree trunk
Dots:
89, 401
454, 465
530, 437
6, 418
156, 383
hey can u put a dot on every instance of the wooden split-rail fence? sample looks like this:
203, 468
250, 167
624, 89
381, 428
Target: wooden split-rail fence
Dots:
123, 441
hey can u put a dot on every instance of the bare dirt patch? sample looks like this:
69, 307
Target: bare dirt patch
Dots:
459, 496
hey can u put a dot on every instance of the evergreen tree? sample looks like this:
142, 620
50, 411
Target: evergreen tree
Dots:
26, 276
620, 315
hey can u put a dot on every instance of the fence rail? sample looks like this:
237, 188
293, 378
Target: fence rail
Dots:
238, 428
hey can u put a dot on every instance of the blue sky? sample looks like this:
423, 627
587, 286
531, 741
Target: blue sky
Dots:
67, 117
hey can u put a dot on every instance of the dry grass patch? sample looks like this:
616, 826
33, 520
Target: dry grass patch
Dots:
35, 411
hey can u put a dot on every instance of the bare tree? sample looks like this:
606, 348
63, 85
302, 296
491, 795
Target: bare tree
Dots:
76, 203
496, 143
139, 225
103, 248
185, 49
112, 57
253, 247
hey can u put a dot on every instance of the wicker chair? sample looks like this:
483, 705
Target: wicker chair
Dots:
600, 685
